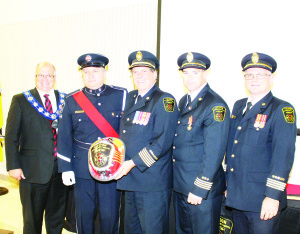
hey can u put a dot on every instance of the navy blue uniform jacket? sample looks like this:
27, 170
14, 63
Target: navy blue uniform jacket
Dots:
148, 142
200, 145
259, 158
77, 132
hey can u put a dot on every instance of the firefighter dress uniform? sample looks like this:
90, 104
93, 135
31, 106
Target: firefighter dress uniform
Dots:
198, 150
261, 148
76, 134
147, 129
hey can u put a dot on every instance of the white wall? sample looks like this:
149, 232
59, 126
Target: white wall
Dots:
226, 31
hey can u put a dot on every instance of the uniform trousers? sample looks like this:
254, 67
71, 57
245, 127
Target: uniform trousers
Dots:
91, 195
147, 212
49, 197
197, 219
246, 222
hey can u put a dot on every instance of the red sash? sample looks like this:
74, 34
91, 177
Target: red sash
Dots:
94, 115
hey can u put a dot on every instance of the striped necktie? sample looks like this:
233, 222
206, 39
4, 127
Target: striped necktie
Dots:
48, 107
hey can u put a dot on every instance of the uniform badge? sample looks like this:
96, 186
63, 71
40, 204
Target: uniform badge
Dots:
190, 123
260, 121
169, 104
219, 113
139, 56
79, 111
88, 58
255, 58
189, 57
289, 114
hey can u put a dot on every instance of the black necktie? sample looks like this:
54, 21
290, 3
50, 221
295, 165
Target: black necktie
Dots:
189, 100
138, 98
249, 104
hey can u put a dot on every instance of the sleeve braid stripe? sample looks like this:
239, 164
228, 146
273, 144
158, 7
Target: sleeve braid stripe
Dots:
276, 184
203, 184
63, 158
146, 157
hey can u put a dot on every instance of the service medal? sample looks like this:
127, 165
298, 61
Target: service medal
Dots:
190, 123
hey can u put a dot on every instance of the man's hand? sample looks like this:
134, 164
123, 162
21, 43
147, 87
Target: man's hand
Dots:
269, 208
16, 174
125, 169
194, 200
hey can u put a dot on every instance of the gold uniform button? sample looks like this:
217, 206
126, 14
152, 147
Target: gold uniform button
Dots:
175, 134
232, 155
174, 147
173, 160
239, 128
231, 169
124, 131
235, 141
127, 119
178, 122
113, 114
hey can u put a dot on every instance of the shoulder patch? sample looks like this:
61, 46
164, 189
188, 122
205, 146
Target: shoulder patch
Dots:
289, 114
169, 104
219, 113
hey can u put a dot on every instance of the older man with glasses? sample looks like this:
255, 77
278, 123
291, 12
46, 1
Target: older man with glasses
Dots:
260, 150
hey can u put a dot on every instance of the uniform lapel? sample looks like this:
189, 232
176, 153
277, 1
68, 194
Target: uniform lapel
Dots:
197, 101
142, 102
258, 107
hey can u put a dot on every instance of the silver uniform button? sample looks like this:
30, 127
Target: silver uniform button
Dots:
174, 147
239, 128
175, 134
231, 169
232, 155
124, 131
79, 120
235, 141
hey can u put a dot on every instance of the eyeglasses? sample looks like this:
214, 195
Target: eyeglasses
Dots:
41, 76
259, 76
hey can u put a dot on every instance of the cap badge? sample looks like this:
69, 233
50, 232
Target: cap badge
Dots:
139, 56
88, 58
189, 57
255, 58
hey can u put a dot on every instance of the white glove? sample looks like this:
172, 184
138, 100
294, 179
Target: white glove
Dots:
68, 178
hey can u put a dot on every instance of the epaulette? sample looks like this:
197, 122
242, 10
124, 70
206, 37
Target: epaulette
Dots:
118, 88
72, 93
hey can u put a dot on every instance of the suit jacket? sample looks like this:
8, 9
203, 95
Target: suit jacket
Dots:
147, 129
260, 153
29, 142
200, 145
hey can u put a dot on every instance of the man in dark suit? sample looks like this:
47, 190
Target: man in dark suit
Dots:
260, 150
90, 113
30, 140
147, 129
198, 151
